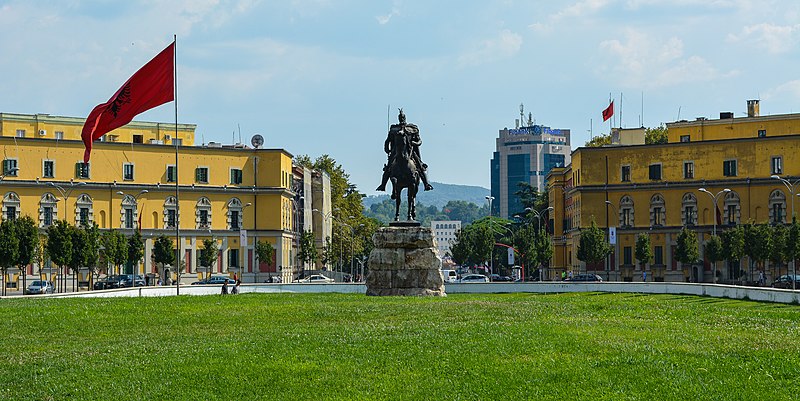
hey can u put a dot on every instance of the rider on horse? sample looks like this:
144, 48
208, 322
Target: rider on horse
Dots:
414, 140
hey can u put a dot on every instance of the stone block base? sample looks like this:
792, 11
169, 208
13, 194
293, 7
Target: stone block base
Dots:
404, 262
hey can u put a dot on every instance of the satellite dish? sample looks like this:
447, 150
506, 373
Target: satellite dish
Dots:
257, 141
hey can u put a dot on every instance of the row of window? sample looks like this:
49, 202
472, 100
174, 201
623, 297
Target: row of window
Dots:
21, 133
82, 170
84, 212
729, 169
452, 226
730, 213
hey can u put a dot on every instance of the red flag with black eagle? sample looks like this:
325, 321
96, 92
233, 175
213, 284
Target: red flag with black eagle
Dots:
151, 86
608, 112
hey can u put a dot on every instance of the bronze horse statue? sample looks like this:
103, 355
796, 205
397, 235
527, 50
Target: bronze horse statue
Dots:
403, 174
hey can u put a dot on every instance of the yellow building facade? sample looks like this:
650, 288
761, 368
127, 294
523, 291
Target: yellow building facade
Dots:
131, 181
655, 189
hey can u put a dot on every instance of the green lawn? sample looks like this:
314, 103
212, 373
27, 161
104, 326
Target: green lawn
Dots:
462, 347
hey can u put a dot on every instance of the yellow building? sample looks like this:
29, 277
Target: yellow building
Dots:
655, 189
131, 178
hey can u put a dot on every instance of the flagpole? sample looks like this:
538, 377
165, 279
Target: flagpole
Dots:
611, 118
177, 199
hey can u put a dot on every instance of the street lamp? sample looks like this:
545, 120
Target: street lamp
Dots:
714, 219
608, 264
539, 215
243, 244
491, 246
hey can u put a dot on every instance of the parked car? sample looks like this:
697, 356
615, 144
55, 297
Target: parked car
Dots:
785, 281
499, 278
126, 279
315, 278
585, 277
40, 287
474, 278
218, 280
109, 282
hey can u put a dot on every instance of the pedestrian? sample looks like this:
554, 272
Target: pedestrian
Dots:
644, 275
761, 278
235, 289
570, 275
563, 275
225, 288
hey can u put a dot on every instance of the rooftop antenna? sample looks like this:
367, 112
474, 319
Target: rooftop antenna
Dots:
530, 119
240, 132
679, 113
521, 112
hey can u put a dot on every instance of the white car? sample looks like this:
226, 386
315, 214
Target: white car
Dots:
316, 278
40, 287
474, 278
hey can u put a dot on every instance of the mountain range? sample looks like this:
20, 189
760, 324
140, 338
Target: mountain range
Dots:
441, 194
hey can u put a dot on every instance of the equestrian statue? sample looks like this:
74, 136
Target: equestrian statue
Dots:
404, 166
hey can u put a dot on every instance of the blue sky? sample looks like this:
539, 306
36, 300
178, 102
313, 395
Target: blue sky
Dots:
316, 76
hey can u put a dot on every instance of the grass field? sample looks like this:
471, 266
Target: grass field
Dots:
350, 347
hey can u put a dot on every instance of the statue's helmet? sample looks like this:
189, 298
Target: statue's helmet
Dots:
401, 117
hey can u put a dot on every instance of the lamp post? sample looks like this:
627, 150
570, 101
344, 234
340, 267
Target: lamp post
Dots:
65, 193
135, 222
538, 215
608, 265
790, 186
491, 246
714, 230
243, 244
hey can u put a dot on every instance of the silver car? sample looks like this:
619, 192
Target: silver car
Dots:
40, 287
474, 278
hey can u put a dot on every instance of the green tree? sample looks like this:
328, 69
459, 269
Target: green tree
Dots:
544, 249
757, 244
209, 254
59, 244
733, 247
28, 235
792, 249
308, 249
264, 251
135, 250
644, 253
463, 211
115, 249
778, 236
526, 242
656, 136
686, 250
163, 252
593, 247
461, 250
9, 248
93, 242
714, 252
598, 141
79, 250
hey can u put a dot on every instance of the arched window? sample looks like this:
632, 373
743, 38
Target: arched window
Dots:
626, 212
84, 214
11, 206
128, 212
203, 213
777, 207
733, 208
689, 209
171, 217
234, 217
658, 212
48, 210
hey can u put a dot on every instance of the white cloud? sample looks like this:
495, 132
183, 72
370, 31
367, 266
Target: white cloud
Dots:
790, 89
646, 62
774, 38
506, 44
384, 19
576, 10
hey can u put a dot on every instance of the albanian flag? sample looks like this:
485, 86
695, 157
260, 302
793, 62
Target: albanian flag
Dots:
151, 86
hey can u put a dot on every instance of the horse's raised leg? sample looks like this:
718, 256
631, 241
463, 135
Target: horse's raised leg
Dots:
397, 203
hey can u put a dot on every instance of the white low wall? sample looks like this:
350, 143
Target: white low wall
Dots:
699, 289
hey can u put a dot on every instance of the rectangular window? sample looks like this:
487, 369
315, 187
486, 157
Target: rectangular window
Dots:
138, 138
762, 133
777, 213
48, 169
201, 175
234, 219
127, 171
20, 133
47, 215
10, 167
688, 170
731, 214
177, 141
233, 257
84, 216
171, 218
172, 173
236, 176
655, 171
81, 170
627, 255
657, 216
729, 168
626, 173
685, 138
658, 255
203, 218
688, 214
777, 165
11, 213
626, 217
129, 218
59, 134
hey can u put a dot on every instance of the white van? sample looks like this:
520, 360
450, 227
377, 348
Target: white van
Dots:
450, 276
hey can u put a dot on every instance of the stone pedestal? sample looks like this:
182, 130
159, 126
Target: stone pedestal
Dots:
404, 262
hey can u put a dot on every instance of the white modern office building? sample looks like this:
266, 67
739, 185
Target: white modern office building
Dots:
444, 235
